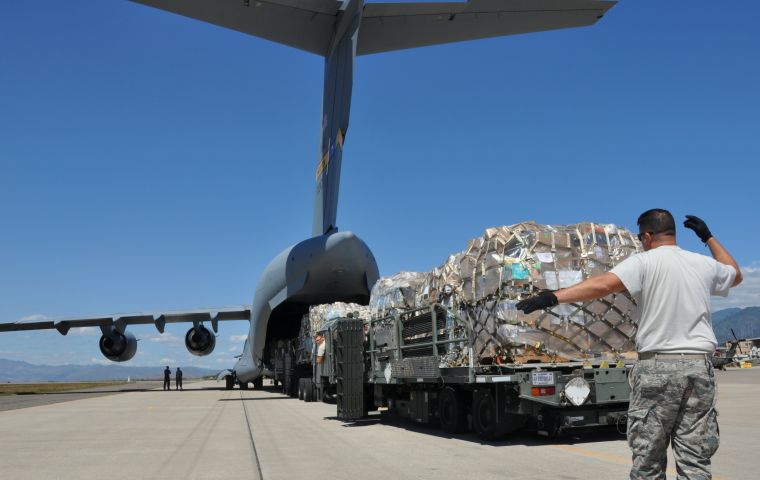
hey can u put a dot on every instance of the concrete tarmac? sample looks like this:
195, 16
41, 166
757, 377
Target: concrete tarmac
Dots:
207, 433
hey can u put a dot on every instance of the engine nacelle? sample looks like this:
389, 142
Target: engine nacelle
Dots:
118, 347
200, 341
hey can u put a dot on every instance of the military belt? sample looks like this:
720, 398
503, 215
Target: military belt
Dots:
673, 356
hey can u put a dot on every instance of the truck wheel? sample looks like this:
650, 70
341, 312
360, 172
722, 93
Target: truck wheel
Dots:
258, 384
452, 411
293, 387
308, 394
484, 415
229, 382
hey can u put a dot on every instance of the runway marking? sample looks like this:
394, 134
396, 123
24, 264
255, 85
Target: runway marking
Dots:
250, 435
608, 457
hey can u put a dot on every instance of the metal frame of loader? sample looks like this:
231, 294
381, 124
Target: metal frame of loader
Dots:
492, 400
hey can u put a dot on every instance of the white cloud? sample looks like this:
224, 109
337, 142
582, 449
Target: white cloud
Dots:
37, 317
747, 294
85, 331
234, 348
169, 361
100, 361
164, 338
238, 338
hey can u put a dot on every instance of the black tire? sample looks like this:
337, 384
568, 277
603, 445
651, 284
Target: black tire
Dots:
293, 387
452, 410
308, 394
484, 416
258, 384
229, 382
301, 387
243, 385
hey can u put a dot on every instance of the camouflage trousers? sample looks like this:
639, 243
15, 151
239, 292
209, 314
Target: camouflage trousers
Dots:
672, 401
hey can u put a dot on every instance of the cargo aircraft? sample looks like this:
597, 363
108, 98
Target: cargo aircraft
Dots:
332, 265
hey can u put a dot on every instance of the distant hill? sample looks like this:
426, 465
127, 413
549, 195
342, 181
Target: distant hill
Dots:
744, 321
21, 372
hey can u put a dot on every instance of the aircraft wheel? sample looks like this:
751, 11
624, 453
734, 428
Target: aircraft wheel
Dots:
301, 382
258, 384
452, 411
229, 382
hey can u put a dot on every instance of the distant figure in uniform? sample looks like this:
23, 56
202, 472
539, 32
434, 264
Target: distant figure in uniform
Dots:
178, 377
167, 378
320, 340
673, 383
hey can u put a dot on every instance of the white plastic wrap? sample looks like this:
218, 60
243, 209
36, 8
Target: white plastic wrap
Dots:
509, 263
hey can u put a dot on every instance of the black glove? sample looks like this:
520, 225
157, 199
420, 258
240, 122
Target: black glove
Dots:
699, 227
538, 302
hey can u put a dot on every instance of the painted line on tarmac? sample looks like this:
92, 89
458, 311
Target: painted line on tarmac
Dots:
250, 435
608, 457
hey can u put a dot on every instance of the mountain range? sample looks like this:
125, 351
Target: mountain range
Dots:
13, 371
745, 322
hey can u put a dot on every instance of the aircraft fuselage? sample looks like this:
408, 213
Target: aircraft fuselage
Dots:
336, 267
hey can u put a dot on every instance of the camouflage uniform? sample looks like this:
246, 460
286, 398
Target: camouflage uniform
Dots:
672, 401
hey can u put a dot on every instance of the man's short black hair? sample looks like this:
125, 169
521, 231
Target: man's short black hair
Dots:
657, 221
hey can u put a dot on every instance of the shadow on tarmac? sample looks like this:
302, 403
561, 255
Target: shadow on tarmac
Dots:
526, 439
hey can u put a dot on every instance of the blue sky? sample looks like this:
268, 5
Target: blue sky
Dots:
152, 162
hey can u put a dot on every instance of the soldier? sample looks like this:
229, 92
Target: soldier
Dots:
167, 378
178, 379
672, 384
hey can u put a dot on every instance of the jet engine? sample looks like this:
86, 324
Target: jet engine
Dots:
118, 347
200, 341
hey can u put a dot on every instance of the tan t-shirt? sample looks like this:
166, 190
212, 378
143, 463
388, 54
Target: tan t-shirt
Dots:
672, 288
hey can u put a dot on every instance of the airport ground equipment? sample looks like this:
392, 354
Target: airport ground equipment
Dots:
402, 374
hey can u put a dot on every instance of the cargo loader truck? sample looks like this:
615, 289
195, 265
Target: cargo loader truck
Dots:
419, 365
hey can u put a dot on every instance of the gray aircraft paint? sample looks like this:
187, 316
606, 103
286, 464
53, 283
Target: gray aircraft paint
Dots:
333, 266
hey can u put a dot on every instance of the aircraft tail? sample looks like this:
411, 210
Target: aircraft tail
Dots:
341, 30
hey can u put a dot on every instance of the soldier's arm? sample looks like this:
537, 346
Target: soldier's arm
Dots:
591, 289
720, 254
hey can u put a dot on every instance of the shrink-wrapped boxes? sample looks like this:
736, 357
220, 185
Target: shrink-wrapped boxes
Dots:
320, 316
482, 285
398, 292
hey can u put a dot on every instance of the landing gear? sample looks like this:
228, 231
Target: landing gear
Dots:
243, 385
229, 382
258, 384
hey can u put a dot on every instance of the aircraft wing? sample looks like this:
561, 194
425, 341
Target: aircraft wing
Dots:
396, 26
121, 321
304, 24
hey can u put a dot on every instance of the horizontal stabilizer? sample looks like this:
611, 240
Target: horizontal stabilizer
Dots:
396, 26
304, 24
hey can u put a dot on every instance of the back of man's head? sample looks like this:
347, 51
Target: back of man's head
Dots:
657, 221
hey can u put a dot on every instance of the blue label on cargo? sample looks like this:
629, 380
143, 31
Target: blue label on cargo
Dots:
519, 272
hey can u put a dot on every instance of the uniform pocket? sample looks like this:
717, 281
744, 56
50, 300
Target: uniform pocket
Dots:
643, 431
711, 434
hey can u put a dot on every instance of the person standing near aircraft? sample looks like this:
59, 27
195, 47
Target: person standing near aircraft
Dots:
167, 378
178, 379
673, 393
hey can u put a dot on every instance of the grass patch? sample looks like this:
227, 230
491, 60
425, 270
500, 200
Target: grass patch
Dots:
32, 388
